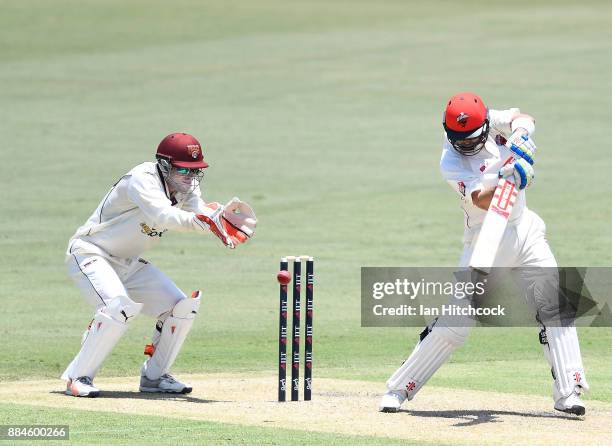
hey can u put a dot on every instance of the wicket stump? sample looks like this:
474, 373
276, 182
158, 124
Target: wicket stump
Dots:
296, 333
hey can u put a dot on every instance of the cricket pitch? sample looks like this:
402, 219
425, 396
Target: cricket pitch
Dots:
341, 406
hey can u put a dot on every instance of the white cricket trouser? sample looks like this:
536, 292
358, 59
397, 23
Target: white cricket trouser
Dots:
120, 289
524, 244
101, 280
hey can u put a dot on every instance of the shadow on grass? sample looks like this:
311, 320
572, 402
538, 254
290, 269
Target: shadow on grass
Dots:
148, 396
475, 417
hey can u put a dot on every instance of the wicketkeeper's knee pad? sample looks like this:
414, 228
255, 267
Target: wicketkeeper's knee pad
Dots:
435, 347
169, 336
104, 331
122, 309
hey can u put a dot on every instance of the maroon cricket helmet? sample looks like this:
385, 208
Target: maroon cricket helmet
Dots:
182, 150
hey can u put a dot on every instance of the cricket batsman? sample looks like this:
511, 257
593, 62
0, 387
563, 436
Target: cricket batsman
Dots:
103, 259
477, 141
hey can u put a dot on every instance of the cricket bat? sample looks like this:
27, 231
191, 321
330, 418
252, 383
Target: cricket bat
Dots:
494, 224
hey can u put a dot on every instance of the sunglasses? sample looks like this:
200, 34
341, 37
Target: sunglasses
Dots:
187, 171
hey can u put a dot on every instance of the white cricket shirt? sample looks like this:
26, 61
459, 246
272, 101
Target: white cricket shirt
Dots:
135, 214
466, 174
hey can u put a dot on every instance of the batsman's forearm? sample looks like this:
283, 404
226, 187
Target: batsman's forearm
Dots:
524, 122
482, 197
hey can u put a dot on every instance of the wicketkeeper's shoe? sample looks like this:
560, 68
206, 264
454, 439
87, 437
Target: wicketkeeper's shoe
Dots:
165, 384
82, 386
392, 401
571, 404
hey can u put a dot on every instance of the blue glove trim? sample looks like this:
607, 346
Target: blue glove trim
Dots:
522, 174
520, 152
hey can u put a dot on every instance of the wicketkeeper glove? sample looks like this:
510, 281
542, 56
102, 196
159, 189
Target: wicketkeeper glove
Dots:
521, 171
212, 219
522, 145
239, 220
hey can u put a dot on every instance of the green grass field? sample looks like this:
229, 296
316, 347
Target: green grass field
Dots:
326, 116
88, 427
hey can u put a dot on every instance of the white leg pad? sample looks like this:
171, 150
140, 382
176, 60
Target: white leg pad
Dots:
427, 357
564, 357
107, 327
173, 333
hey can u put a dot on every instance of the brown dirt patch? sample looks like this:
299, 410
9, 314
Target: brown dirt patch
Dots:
342, 406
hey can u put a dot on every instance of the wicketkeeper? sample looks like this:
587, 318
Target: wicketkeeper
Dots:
472, 164
103, 259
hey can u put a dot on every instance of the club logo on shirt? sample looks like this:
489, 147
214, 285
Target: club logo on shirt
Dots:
151, 232
462, 119
500, 140
461, 186
194, 150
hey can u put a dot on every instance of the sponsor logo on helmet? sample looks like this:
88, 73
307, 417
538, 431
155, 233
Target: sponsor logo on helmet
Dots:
462, 119
194, 150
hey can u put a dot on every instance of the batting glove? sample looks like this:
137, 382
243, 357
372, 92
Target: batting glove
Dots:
520, 171
522, 145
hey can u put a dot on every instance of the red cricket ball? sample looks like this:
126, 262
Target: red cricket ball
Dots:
283, 277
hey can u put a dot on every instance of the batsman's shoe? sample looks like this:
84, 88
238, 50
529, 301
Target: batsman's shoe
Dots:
392, 401
165, 384
82, 386
571, 404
